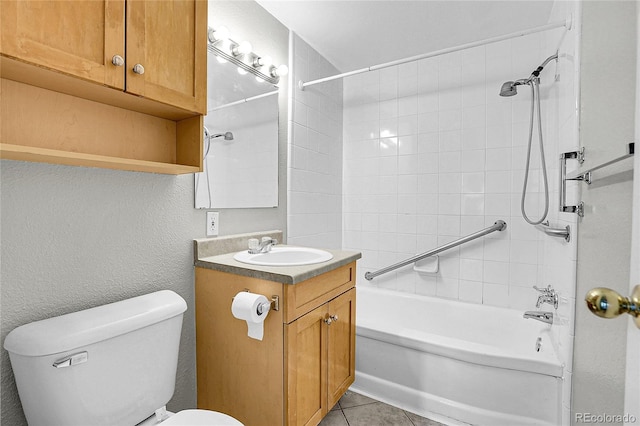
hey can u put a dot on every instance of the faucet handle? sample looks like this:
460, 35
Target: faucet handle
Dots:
548, 295
254, 244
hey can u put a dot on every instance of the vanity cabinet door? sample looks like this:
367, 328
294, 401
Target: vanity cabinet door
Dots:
78, 38
320, 351
306, 367
341, 346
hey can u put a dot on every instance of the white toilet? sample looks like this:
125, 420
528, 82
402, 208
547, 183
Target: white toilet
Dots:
110, 365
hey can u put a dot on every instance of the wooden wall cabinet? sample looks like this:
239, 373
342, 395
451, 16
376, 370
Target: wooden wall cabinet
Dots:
303, 365
71, 95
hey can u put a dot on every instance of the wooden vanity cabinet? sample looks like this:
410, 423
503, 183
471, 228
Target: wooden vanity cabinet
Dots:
320, 359
303, 365
104, 83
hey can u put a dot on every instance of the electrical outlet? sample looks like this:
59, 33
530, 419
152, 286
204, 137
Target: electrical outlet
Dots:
213, 224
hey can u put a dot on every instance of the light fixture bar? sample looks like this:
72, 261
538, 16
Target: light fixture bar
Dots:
248, 68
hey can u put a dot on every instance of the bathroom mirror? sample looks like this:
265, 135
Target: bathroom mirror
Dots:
240, 141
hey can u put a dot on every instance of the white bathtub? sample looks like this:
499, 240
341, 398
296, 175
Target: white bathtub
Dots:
469, 363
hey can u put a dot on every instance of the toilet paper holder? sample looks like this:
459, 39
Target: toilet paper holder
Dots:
275, 301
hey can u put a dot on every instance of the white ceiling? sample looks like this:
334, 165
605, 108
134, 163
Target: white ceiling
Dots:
355, 34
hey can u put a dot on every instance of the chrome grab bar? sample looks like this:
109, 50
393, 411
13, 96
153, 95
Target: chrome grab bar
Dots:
500, 225
555, 232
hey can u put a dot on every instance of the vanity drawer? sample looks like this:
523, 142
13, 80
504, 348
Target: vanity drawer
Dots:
303, 297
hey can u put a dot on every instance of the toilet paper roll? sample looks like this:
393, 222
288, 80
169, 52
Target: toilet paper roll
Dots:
252, 308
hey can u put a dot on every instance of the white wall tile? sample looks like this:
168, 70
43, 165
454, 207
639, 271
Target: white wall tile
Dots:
449, 162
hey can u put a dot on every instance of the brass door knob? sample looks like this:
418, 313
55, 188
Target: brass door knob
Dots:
607, 303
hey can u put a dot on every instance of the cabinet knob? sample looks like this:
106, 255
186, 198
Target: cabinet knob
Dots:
117, 60
138, 69
330, 319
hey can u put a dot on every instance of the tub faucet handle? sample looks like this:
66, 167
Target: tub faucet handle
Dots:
547, 295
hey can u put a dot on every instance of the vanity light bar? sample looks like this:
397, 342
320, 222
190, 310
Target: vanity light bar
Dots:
247, 61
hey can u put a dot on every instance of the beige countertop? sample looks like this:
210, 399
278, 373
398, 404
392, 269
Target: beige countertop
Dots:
283, 274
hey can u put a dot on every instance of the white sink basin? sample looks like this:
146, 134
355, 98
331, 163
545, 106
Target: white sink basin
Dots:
284, 256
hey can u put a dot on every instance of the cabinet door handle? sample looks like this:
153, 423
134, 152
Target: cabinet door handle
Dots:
117, 60
334, 318
138, 69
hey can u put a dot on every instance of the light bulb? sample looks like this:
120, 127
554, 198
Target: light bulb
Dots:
241, 71
260, 79
280, 71
221, 60
283, 70
222, 33
242, 49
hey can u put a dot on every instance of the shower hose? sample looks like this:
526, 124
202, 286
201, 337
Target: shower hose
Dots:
535, 102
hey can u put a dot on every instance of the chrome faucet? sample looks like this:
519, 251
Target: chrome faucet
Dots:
547, 295
546, 317
263, 246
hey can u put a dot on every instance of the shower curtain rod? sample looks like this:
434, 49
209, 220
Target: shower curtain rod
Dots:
550, 26
241, 101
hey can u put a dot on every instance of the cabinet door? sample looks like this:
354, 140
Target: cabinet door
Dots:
306, 366
168, 39
341, 346
78, 38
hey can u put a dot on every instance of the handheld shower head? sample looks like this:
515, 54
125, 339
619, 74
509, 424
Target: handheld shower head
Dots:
508, 89
228, 136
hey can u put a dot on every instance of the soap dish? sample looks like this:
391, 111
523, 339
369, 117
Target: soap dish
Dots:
428, 265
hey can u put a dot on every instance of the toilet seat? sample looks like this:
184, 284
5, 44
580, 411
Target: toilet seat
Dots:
200, 418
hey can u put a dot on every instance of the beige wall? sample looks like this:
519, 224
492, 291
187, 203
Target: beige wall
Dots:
607, 107
75, 237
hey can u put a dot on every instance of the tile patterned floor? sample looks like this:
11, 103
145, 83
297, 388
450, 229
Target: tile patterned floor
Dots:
358, 410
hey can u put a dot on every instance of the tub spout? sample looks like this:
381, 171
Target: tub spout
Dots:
540, 316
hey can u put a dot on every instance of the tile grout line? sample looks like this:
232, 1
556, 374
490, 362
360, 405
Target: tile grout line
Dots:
407, 416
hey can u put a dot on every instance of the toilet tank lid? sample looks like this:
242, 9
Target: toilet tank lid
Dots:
82, 328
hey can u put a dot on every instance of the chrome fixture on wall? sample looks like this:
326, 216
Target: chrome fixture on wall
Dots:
583, 175
499, 225
241, 55
547, 295
546, 317
509, 88
228, 136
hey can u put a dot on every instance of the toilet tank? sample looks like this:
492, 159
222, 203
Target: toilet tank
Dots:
109, 365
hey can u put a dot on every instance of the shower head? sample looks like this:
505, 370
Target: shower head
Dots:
228, 136
508, 89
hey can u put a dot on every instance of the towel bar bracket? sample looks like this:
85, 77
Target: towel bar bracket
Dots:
583, 176
571, 155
